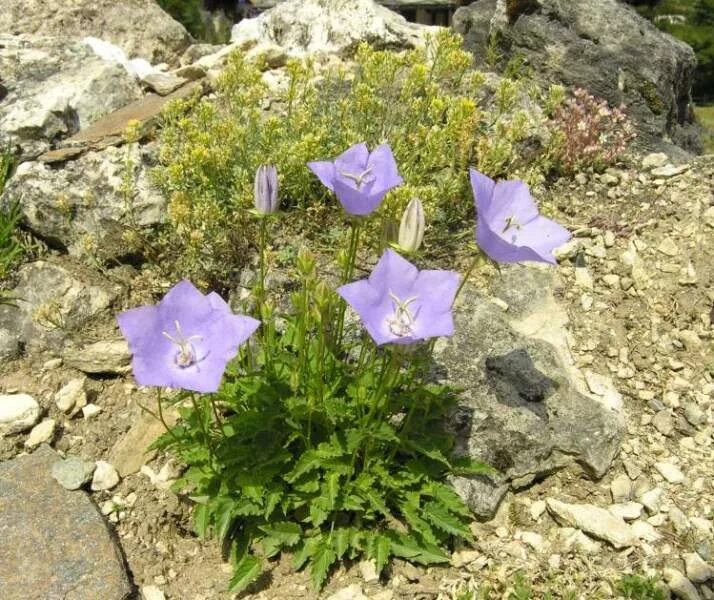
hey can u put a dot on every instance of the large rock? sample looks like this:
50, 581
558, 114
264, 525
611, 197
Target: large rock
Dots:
55, 543
524, 409
329, 26
604, 46
54, 89
86, 207
139, 27
53, 300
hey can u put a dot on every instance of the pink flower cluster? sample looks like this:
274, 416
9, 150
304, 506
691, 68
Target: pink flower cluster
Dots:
590, 132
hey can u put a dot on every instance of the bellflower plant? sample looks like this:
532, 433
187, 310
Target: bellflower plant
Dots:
325, 437
359, 179
509, 228
399, 304
185, 340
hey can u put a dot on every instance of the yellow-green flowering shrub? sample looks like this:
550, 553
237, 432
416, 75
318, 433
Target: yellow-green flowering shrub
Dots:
437, 113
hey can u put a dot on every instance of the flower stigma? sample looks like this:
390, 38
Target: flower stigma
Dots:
511, 222
186, 356
359, 178
402, 321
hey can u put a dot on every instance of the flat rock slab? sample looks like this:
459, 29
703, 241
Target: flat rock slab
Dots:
54, 544
110, 130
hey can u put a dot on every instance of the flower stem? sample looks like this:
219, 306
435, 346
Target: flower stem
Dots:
390, 373
204, 429
476, 261
160, 415
348, 271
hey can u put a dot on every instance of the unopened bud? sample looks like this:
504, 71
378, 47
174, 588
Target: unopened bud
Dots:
265, 199
305, 261
411, 229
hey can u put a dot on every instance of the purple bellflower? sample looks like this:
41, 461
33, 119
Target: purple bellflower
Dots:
359, 179
509, 228
185, 340
399, 304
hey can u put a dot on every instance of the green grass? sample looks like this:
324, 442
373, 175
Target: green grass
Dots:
705, 116
10, 247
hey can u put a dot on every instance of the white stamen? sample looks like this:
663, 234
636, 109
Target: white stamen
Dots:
402, 321
357, 178
186, 356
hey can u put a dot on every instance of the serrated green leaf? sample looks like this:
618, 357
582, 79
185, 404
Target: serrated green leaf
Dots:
466, 466
418, 524
309, 461
201, 519
403, 546
317, 514
304, 552
271, 546
223, 517
329, 449
271, 502
287, 532
378, 548
246, 571
353, 502
437, 514
407, 547
333, 489
320, 562
433, 453
376, 502
246, 508
449, 498
341, 537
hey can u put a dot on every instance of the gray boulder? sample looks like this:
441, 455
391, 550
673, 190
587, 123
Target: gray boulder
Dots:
604, 47
329, 26
524, 409
53, 300
55, 543
86, 207
54, 89
139, 27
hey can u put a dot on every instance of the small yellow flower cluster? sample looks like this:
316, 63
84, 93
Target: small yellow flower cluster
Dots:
438, 115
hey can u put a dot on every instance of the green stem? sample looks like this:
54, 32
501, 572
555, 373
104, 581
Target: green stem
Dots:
390, 373
348, 271
472, 266
160, 416
204, 429
261, 284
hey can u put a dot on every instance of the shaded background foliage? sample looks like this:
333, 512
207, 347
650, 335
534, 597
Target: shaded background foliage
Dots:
691, 21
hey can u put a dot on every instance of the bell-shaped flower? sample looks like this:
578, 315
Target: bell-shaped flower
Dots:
398, 304
509, 228
265, 198
185, 340
359, 179
411, 228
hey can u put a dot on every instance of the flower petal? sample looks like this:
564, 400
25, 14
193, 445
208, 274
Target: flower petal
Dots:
353, 160
384, 167
483, 188
325, 172
395, 274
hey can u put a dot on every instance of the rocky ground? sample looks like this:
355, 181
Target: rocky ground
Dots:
607, 474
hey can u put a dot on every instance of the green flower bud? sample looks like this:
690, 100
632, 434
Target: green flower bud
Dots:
411, 229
